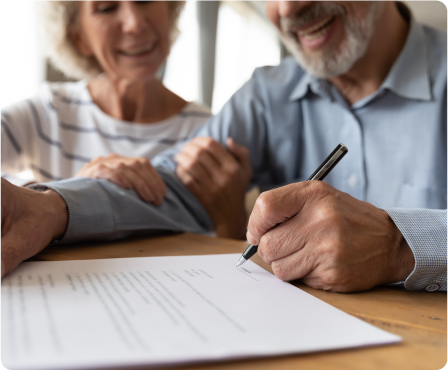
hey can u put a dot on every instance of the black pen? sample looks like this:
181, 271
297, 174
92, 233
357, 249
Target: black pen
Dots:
323, 170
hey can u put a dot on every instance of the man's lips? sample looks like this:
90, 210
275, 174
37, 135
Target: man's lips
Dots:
314, 34
315, 28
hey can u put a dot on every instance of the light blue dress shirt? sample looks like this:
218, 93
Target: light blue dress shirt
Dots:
290, 121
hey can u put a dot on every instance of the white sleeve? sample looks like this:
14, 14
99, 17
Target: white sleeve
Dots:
17, 136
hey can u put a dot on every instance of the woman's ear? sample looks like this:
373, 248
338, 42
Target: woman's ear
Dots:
80, 42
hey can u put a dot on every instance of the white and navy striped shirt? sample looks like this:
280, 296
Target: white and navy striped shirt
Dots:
58, 131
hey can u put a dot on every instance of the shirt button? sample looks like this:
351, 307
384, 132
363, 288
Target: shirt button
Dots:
432, 287
353, 180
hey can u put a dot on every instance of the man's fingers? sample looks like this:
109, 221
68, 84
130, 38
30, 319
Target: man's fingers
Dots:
203, 152
189, 181
300, 231
276, 206
12, 244
294, 266
214, 149
18, 245
240, 152
200, 167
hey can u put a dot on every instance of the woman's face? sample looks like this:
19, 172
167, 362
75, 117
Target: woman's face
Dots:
129, 39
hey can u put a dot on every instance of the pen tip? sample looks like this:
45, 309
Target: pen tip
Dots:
240, 261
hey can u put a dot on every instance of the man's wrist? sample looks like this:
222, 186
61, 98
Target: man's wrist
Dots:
403, 261
60, 213
58, 210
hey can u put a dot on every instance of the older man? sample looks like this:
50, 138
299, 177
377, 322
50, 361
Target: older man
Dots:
370, 77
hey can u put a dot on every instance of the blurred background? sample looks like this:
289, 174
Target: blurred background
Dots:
220, 44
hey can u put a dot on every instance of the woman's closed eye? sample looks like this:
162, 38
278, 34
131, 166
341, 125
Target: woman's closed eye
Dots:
103, 7
143, 2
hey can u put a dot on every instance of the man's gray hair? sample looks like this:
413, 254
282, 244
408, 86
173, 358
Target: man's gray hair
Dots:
59, 17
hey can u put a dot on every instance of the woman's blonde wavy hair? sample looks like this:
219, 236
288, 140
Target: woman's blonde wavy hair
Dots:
58, 17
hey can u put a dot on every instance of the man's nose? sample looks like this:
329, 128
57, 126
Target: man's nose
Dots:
131, 19
289, 8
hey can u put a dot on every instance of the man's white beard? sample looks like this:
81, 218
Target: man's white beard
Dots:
332, 61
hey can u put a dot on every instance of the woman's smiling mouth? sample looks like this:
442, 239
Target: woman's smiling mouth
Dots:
138, 51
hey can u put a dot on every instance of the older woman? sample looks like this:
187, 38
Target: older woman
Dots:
119, 106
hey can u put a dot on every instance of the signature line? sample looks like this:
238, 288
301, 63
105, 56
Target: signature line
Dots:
245, 273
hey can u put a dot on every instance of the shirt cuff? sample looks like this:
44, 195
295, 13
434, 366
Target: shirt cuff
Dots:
425, 231
89, 210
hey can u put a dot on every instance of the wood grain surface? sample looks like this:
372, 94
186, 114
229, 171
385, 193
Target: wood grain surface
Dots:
420, 318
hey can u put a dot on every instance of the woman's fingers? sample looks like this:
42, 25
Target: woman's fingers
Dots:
141, 184
130, 173
151, 179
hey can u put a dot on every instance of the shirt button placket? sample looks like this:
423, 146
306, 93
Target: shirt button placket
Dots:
353, 180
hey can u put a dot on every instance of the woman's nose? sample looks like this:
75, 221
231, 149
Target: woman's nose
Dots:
131, 19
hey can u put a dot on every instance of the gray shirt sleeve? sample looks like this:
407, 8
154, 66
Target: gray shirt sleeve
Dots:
101, 210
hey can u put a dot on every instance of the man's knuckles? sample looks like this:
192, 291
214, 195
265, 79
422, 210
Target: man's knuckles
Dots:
315, 188
281, 272
269, 247
143, 161
191, 166
203, 145
265, 205
121, 166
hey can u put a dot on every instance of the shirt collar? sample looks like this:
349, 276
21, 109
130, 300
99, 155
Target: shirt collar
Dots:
317, 85
408, 77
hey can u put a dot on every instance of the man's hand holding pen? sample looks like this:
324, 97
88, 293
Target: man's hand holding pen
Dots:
327, 238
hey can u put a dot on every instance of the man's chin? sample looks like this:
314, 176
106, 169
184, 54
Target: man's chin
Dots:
312, 61
324, 62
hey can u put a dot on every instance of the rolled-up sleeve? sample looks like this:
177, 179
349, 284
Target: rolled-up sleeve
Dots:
425, 231
101, 210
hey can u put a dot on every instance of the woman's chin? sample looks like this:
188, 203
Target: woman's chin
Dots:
135, 75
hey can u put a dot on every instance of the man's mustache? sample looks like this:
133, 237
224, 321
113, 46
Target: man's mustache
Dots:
310, 13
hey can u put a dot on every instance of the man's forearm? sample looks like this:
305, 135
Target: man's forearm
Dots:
99, 209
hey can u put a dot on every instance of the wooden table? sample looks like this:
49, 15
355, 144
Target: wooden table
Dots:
418, 317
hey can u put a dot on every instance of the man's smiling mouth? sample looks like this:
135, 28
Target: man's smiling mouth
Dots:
318, 29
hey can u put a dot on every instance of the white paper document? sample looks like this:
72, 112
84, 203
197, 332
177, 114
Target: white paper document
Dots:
163, 310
